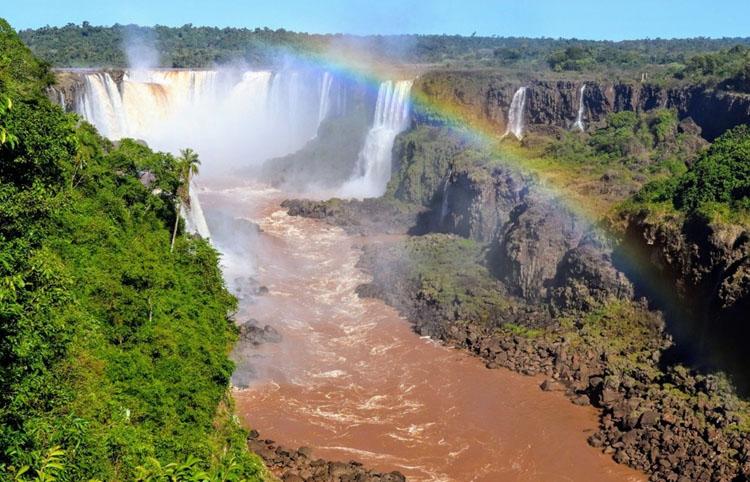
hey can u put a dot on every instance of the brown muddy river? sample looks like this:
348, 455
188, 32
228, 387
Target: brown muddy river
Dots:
351, 379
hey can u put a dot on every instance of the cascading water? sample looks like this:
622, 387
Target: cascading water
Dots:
195, 220
581, 107
325, 96
374, 164
234, 119
515, 114
102, 104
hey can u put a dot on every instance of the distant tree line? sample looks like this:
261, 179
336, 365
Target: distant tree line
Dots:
86, 45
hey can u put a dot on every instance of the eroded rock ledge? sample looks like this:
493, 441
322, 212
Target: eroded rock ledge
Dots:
300, 466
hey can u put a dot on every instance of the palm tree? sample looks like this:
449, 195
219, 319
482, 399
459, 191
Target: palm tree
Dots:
188, 166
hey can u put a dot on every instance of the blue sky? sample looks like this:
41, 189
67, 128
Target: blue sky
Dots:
586, 19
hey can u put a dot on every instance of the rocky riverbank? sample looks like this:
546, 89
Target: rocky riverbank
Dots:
669, 422
300, 466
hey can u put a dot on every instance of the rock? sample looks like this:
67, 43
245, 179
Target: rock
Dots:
648, 418
550, 385
586, 277
251, 333
297, 465
290, 477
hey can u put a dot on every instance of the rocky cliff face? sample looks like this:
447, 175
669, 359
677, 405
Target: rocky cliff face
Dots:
486, 96
699, 274
539, 249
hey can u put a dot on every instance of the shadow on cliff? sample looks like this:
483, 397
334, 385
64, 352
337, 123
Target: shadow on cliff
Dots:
707, 336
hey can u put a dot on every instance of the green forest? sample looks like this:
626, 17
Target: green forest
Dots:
87, 45
113, 350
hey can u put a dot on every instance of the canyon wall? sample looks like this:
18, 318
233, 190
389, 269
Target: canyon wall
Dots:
487, 97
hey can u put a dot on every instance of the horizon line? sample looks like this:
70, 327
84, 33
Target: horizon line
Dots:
392, 35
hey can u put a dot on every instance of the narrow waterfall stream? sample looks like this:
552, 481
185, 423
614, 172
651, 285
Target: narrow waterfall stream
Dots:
515, 114
353, 381
581, 110
374, 164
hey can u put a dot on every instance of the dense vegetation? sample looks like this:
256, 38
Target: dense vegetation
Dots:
629, 149
716, 184
86, 45
111, 348
729, 69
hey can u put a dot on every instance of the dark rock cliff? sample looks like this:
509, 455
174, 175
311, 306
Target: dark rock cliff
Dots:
537, 247
698, 273
486, 96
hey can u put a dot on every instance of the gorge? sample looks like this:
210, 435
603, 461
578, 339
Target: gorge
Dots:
536, 264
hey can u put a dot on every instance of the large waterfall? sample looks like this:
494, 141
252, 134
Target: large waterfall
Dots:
515, 114
581, 108
233, 119
373, 169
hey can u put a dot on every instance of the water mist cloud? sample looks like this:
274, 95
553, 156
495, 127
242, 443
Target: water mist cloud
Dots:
140, 47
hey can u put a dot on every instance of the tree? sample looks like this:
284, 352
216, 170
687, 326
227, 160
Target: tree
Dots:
720, 175
188, 165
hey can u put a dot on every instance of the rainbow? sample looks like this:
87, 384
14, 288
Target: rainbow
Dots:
549, 178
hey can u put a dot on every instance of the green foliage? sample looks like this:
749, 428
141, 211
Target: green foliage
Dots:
716, 187
628, 139
730, 69
446, 275
111, 348
86, 45
49, 468
572, 58
21, 73
720, 175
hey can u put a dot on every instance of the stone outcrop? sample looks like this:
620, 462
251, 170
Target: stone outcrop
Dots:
486, 97
291, 465
698, 272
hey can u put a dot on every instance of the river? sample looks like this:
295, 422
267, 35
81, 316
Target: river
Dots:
351, 380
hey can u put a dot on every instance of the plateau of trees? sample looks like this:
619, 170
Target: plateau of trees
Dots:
87, 45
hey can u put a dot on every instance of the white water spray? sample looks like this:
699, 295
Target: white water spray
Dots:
515, 114
195, 220
233, 119
373, 170
579, 120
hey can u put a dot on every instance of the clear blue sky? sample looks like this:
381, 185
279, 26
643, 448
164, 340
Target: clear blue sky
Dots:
585, 19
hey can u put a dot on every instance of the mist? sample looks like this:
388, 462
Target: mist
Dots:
140, 47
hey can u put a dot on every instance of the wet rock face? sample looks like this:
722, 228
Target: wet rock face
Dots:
251, 332
528, 254
478, 207
300, 466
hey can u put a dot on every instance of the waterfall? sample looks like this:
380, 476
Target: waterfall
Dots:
579, 120
195, 220
515, 114
444, 205
325, 96
232, 119
391, 117
101, 104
